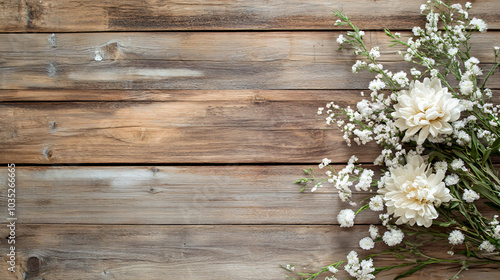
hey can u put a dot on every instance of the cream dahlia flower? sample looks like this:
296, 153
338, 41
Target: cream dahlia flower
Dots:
426, 107
412, 192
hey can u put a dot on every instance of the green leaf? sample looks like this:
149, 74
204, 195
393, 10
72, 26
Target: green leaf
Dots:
388, 33
306, 171
495, 144
446, 224
474, 152
411, 271
454, 205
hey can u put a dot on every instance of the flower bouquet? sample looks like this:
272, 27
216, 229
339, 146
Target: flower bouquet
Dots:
437, 131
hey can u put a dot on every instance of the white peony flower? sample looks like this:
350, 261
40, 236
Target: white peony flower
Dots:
428, 108
412, 192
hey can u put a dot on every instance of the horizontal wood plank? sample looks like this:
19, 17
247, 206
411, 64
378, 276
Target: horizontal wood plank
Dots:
262, 96
191, 252
153, 15
249, 129
195, 60
298, 96
174, 195
202, 195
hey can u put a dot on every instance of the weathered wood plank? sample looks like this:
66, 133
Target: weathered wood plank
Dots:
194, 60
173, 195
153, 15
238, 131
189, 252
203, 195
18, 95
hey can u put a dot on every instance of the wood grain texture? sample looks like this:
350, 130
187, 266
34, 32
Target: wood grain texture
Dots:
174, 195
345, 97
246, 130
190, 252
195, 60
154, 15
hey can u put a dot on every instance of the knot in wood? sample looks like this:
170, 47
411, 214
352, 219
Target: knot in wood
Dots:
259, 99
47, 153
112, 50
33, 264
316, 134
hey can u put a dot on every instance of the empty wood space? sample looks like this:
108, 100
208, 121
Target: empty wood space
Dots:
161, 139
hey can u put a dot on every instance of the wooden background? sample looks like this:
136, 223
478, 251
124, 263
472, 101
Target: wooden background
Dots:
160, 139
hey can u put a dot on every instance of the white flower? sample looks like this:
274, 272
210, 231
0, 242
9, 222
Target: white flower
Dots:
487, 246
358, 65
452, 52
479, 24
496, 232
466, 87
376, 203
393, 237
400, 78
452, 179
352, 257
324, 162
341, 39
456, 237
428, 108
365, 180
361, 271
376, 85
290, 267
471, 62
423, 7
457, 164
373, 230
384, 218
434, 73
366, 243
468, 5
346, 218
332, 269
440, 165
469, 196
374, 52
412, 192
415, 72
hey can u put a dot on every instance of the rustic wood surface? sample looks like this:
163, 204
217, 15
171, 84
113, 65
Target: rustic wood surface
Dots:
196, 60
189, 252
154, 15
160, 139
